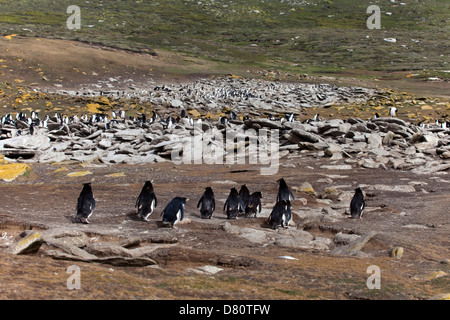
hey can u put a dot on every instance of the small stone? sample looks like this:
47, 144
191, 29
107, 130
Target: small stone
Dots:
396, 252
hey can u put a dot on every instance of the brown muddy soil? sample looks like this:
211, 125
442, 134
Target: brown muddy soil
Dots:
47, 198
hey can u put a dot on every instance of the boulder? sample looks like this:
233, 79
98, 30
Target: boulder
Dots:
108, 250
129, 135
294, 238
36, 142
306, 136
374, 141
355, 246
29, 243
345, 238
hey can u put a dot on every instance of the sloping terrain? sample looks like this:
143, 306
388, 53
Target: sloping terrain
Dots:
149, 44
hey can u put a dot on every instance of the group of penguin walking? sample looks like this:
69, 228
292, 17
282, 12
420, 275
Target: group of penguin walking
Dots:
237, 203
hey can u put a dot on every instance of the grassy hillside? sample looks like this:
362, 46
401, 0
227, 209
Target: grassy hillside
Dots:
315, 36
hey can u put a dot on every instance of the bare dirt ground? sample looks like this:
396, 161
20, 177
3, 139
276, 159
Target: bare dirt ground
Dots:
46, 197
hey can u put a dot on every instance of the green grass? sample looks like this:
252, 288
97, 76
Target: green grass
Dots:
294, 36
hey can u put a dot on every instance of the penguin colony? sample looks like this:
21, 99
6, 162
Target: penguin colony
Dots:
25, 124
240, 203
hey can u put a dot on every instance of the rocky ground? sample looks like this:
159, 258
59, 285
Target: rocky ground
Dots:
221, 259
401, 166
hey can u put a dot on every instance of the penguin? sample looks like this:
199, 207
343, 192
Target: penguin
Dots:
223, 120
147, 201
281, 214
143, 118
254, 204
316, 118
208, 204
393, 111
86, 204
290, 117
284, 193
357, 204
174, 211
244, 193
233, 204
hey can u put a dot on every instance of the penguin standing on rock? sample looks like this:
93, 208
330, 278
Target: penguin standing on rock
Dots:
86, 204
147, 201
174, 211
357, 204
254, 204
284, 193
281, 214
233, 204
208, 204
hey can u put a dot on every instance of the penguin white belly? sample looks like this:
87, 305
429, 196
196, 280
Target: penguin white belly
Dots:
152, 206
178, 216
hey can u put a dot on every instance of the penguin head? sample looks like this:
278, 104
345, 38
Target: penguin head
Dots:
358, 190
208, 190
87, 186
244, 188
257, 194
148, 184
282, 182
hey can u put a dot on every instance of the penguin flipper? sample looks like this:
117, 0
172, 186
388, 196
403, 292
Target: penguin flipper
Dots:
242, 206
92, 204
292, 196
199, 202
79, 204
137, 201
225, 205
182, 213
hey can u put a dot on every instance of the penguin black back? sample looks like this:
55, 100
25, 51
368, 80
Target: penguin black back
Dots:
244, 193
357, 204
146, 201
281, 214
233, 204
174, 211
207, 203
85, 204
284, 193
254, 204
